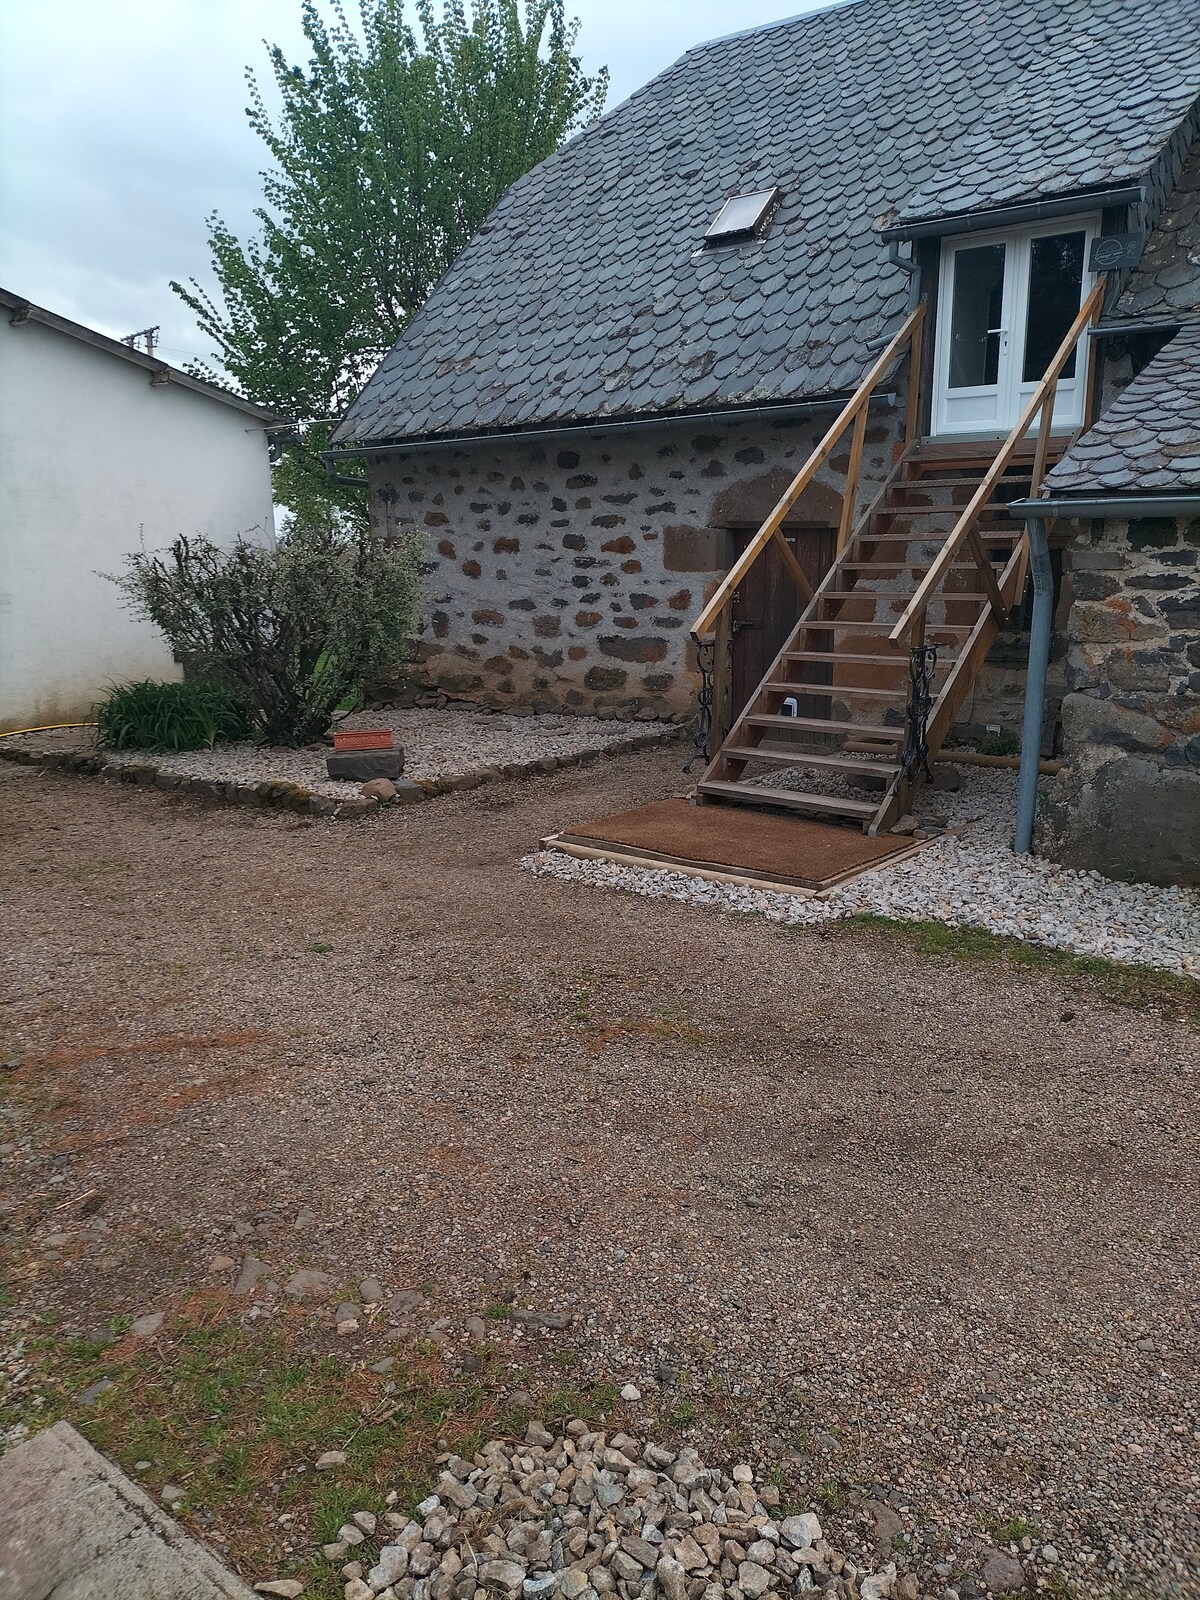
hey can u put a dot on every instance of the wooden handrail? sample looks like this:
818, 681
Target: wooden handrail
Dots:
772, 527
965, 529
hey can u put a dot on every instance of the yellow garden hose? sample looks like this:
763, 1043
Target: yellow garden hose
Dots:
47, 727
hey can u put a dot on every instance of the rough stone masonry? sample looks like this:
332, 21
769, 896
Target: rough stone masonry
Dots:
568, 572
1128, 804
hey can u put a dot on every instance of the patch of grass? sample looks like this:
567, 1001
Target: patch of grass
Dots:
321, 949
832, 1494
1127, 985
683, 1414
1058, 1587
497, 1311
237, 1418
593, 1405
169, 716
1009, 1531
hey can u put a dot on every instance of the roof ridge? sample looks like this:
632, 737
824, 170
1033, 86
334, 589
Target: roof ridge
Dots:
818, 10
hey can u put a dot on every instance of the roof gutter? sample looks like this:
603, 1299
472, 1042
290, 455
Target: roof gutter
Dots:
1109, 505
599, 430
1014, 216
1117, 330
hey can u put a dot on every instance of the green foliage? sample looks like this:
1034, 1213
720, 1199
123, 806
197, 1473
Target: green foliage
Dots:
1126, 983
301, 483
295, 631
1000, 744
193, 715
390, 149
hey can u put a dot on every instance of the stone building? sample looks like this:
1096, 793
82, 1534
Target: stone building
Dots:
628, 365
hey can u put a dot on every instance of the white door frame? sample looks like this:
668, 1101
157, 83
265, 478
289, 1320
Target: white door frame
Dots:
997, 407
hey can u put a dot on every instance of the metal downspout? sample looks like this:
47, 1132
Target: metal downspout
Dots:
1035, 682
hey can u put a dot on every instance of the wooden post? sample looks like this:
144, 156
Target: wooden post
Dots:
915, 356
850, 490
1043, 441
1091, 354
722, 705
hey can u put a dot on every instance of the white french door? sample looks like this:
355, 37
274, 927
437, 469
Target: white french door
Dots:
1006, 300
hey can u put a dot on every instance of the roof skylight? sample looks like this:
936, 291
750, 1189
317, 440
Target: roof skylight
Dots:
743, 216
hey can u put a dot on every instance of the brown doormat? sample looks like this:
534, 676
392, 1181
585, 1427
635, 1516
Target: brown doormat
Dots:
733, 842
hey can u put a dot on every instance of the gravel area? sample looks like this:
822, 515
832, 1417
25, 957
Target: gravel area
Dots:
437, 744
585, 1514
964, 879
916, 1239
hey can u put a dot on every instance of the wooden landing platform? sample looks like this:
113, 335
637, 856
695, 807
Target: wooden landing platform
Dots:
732, 844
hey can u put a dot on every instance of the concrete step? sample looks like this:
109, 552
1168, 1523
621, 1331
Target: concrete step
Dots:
73, 1526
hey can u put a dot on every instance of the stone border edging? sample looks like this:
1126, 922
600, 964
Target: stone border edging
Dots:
280, 795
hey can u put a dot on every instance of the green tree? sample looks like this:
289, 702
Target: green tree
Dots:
388, 151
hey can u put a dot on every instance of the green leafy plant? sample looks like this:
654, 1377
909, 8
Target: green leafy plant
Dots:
390, 147
295, 630
193, 715
1000, 744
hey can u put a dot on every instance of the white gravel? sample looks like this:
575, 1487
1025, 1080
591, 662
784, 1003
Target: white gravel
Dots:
437, 744
972, 879
587, 1515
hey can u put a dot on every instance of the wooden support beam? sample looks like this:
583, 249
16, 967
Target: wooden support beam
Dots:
722, 682
913, 401
799, 576
1043, 441
850, 488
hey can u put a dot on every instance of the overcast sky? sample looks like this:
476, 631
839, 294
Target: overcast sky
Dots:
122, 127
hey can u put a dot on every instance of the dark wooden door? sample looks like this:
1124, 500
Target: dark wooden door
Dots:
767, 608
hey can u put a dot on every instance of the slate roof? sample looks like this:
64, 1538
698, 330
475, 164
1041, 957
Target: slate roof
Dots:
1166, 282
1148, 441
586, 295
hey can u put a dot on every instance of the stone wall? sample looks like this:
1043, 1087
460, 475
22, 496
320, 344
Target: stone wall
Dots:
565, 574
1128, 804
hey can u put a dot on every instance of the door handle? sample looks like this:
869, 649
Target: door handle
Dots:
753, 622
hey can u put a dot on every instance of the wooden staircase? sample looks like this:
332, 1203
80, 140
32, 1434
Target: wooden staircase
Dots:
873, 676
841, 665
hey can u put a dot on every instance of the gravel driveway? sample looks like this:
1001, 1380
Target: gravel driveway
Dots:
921, 1234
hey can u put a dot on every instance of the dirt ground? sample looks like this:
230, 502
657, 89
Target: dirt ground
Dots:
920, 1234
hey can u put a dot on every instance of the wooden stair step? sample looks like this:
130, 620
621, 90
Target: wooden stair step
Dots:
847, 658
813, 690
1009, 480
992, 508
790, 758
859, 593
900, 536
793, 799
861, 730
829, 624
949, 454
878, 564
